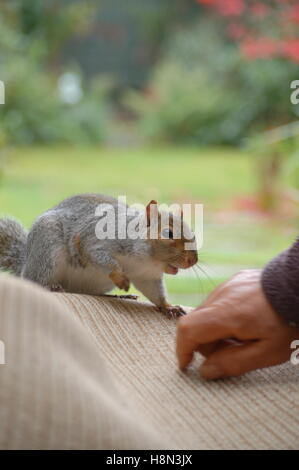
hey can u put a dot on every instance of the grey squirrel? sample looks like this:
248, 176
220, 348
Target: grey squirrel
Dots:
62, 249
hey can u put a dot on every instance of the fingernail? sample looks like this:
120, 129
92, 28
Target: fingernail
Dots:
210, 371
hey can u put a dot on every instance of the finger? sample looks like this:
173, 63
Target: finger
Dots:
197, 328
207, 349
238, 359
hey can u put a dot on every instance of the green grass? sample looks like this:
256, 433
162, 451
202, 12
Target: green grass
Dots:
37, 178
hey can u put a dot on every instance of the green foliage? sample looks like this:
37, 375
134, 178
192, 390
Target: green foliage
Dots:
34, 112
52, 22
291, 168
277, 166
203, 91
38, 178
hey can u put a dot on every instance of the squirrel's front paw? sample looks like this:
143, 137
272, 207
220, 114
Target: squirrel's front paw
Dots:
172, 311
120, 280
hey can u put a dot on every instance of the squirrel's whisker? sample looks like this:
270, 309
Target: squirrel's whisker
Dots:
206, 274
201, 290
207, 265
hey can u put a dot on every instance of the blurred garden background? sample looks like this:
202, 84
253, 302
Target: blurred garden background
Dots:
174, 100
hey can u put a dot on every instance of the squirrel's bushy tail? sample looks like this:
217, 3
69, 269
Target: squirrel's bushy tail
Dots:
13, 240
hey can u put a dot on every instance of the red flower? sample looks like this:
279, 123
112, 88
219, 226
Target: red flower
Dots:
259, 9
293, 14
230, 7
242, 15
290, 49
259, 48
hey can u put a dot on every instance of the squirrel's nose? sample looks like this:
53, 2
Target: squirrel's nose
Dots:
192, 258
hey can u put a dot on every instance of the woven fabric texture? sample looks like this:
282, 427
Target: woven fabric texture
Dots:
56, 391
87, 372
257, 411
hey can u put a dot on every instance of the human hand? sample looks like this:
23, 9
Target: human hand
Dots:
236, 329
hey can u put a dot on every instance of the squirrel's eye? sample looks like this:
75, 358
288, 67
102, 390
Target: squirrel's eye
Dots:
166, 233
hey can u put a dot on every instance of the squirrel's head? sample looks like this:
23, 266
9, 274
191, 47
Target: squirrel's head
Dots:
170, 239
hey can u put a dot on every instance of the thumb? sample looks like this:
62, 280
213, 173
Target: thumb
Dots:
237, 359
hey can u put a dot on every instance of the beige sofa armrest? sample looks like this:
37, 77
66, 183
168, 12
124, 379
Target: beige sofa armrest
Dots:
87, 372
257, 411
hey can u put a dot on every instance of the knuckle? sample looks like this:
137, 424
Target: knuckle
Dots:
183, 325
243, 274
246, 271
240, 318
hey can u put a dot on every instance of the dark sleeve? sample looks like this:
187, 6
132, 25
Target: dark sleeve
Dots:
280, 282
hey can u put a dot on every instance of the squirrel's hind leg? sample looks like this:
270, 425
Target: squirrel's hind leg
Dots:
45, 254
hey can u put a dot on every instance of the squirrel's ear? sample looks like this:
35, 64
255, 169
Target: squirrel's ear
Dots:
151, 211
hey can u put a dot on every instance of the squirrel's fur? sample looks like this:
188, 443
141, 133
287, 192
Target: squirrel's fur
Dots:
13, 240
61, 249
